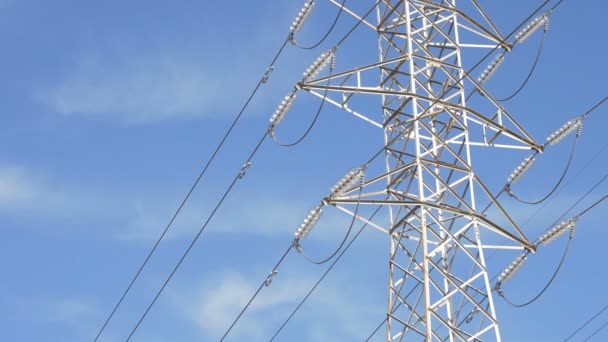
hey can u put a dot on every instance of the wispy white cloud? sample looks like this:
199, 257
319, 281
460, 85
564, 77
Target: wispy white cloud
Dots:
139, 90
71, 311
252, 215
215, 307
35, 194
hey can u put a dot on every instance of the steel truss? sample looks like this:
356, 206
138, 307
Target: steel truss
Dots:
439, 289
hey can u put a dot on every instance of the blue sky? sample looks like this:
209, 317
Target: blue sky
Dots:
110, 109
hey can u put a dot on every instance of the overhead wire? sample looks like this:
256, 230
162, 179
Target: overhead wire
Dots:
246, 165
561, 262
585, 324
530, 73
348, 231
329, 31
557, 184
237, 118
596, 332
239, 176
583, 117
314, 287
312, 124
274, 271
264, 283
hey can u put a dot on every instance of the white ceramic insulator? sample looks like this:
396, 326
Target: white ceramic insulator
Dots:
282, 109
309, 222
491, 69
513, 268
319, 64
300, 19
521, 169
563, 131
347, 182
557, 231
529, 29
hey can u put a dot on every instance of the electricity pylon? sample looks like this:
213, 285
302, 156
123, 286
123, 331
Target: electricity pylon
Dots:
439, 288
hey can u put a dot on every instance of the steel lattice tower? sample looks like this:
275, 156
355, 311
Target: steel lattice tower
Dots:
439, 288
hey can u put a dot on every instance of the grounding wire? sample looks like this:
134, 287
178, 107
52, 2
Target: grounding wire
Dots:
329, 31
314, 121
534, 65
264, 283
346, 236
193, 242
596, 332
237, 118
324, 274
586, 323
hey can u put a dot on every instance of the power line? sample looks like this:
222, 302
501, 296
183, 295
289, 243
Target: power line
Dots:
329, 31
534, 65
265, 283
586, 322
324, 275
595, 332
228, 190
262, 81
557, 184
271, 275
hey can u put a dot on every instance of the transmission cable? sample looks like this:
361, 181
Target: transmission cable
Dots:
559, 266
586, 323
314, 121
329, 31
267, 281
337, 250
239, 176
559, 181
262, 81
568, 164
324, 274
534, 65
595, 332
597, 154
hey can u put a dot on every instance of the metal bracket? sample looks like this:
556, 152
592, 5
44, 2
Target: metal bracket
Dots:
244, 170
271, 276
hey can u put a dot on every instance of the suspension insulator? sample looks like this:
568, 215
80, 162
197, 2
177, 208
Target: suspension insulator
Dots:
563, 131
521, 169
282, 109
309, 222
347, 182
513, 268
300, 19
529, 29
319, 64
558, 230
491, 69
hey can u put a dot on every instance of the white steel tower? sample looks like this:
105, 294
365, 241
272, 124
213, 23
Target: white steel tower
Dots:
438, 286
